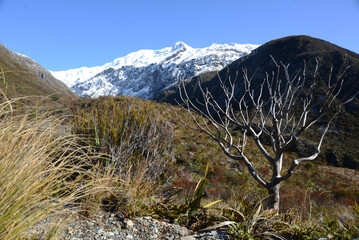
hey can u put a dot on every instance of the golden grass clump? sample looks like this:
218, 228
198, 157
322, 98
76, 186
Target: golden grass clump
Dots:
39, 167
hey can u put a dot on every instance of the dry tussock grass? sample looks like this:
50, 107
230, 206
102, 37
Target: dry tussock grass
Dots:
40, 167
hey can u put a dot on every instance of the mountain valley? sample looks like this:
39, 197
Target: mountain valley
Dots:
127, 153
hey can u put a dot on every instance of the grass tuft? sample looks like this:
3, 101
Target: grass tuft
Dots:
39, 168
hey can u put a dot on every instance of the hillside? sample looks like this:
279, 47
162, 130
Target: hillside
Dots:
178, 156
137, 159
295, 50
24, 77
134, 158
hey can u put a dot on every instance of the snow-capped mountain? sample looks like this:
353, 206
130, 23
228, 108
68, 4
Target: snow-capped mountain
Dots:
145, 73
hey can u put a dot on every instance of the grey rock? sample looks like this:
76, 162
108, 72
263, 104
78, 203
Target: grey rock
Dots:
108, 234
100, 231
188, 238
130, 224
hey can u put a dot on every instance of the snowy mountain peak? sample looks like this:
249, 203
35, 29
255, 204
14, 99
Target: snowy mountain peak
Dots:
147, 72
180, 46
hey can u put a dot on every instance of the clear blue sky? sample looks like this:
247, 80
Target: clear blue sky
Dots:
63, 34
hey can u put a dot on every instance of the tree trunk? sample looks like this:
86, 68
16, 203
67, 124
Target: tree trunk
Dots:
273, 199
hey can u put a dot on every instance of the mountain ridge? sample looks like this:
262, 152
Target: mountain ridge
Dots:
147, 72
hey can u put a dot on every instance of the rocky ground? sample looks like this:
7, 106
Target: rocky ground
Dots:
104, 225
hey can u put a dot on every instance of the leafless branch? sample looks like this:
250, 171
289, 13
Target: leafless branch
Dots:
281, 109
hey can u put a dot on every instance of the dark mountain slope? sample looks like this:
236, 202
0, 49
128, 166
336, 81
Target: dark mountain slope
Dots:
341, 144
170, 95
293, 50
24, 77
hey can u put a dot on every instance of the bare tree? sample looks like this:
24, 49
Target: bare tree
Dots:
280, 109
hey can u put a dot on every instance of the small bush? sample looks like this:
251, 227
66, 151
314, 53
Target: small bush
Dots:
137, 150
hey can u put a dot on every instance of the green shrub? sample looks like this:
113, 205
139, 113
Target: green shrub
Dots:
137, 149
